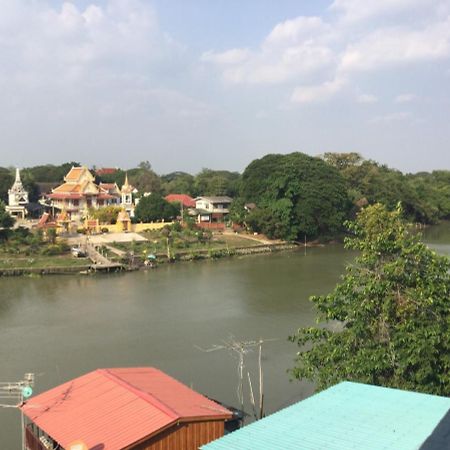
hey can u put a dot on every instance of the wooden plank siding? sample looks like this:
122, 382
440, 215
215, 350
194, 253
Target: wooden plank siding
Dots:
31, 441
185, 436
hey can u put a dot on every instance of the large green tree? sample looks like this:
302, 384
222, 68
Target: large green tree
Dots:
178, 183
216, 182
153, 207
296, 195
388, 321
144, 179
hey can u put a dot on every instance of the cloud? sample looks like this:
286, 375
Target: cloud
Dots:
367, 98
293, 49
317, 93
405, 98
392, 117
397, 46
295, 31
360, 10
233, 56
79, 62
307, 53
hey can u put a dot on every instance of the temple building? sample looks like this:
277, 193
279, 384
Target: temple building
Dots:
17, 198
79, 193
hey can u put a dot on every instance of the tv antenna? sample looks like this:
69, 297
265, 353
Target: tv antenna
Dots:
14, 393
242, 348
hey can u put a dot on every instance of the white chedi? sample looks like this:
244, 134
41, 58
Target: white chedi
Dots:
17, 195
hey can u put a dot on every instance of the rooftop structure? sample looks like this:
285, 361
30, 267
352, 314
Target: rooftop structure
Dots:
130, 408
106, 171
17, 198
349, 416
182, 199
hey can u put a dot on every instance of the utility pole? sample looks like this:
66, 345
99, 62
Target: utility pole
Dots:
18, 391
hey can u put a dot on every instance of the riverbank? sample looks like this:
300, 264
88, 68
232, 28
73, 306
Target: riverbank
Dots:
138, 262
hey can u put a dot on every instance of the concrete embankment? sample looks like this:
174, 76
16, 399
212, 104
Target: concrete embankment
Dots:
214, 253
17, 271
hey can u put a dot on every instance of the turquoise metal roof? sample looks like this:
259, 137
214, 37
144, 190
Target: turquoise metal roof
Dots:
343, 417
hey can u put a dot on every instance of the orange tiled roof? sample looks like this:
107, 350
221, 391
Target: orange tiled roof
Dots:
107, 186
68, 187
75, 173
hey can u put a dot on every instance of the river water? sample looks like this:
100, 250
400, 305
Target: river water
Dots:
60, 327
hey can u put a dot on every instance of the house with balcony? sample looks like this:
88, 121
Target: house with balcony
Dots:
212, 209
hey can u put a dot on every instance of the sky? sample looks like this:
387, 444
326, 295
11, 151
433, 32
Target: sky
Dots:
188, 84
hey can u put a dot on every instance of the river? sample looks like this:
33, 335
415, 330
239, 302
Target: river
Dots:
60, 327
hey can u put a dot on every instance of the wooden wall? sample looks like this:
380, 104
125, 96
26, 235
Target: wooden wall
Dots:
186, 436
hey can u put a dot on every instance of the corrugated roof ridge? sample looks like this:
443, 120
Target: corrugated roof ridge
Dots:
144, 395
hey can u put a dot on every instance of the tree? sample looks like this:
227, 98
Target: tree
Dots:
217, 182
296, 195
105, 215
6, 221
144, 179
154, 207
343, 160
388, 321
178, 183
6, 181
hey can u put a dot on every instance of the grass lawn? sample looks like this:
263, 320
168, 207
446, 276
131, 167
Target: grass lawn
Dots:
40, 261
181, 243
237, 240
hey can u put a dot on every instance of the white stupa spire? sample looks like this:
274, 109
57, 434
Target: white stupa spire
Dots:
17, 195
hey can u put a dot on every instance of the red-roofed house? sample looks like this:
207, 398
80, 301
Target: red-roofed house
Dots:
183, 199
118, 409
105, 171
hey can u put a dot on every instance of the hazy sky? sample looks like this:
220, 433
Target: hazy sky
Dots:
188, 84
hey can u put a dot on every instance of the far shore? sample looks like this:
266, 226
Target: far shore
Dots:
118, 248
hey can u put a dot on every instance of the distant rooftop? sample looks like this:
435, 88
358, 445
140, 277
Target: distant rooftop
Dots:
215, 199
349, 416
106, 171
183, 199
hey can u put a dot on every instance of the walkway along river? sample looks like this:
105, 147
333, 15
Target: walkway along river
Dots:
61, 327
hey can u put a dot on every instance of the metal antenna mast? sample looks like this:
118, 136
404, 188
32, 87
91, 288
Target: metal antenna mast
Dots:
241, 348
17, 391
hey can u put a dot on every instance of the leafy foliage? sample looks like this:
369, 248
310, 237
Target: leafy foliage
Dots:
425, 197
216, 182
178, 183
6, 181
154, 207
50, 172
388, 321
6, 221
144, 179
105, 215
296, 195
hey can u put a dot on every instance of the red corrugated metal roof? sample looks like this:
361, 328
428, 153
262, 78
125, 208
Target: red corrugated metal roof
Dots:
117, 407
187, 201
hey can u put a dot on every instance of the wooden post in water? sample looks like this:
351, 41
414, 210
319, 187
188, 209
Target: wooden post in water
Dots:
261, 391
